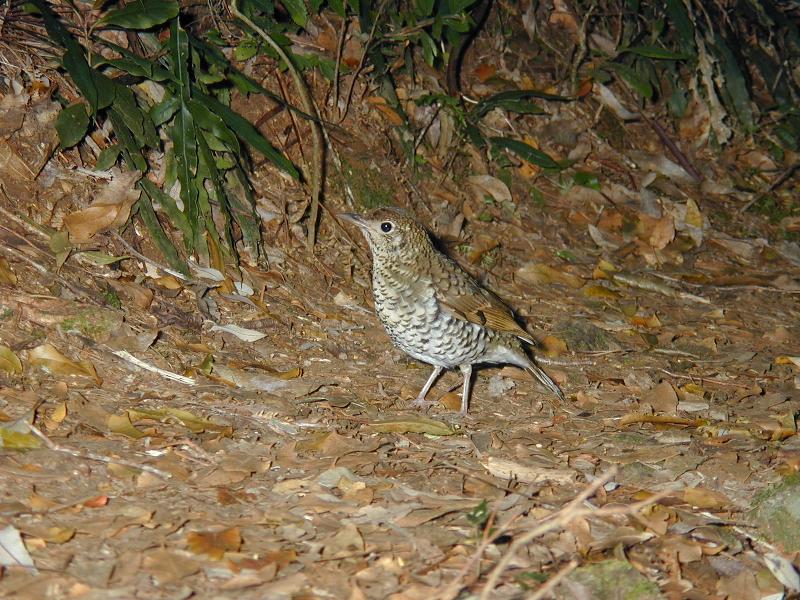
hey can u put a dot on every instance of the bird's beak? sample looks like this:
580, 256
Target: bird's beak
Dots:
353, 218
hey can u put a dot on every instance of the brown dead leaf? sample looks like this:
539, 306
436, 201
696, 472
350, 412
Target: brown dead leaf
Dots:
451, 401
9, 362
50, 359
706, 498
96, 502
111, 208
139, 295
214, 544
412, 425
600, 292
553, 346
169, 282
541, 274
383, 107
122, 424
7, 276
658, 232
168, 567
345, 542
480, 246
485, 71
662, 398
486, 185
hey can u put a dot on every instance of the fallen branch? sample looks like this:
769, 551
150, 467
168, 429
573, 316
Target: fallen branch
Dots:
51, 445
561, 519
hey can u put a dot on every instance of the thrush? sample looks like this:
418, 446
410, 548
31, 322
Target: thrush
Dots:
435, 311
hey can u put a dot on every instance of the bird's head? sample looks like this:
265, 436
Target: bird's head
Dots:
390, 232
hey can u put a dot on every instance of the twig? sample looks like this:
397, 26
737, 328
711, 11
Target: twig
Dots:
336, 73
360, 66
560, 519
580, 51
127, 356
311, 108
551, 583
152, 262
632, 418
51, 445
704, 379
556, 362
673, 148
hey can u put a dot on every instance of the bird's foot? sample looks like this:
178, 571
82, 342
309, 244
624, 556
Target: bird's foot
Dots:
420, 402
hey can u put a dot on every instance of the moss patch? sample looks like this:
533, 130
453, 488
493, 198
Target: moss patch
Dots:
608, 580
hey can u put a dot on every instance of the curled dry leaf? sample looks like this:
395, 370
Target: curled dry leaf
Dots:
110, 209
9, 362
50, 359
412, 425
141, 296
484, 185
544, 274
214, 544
380, 104
7, 276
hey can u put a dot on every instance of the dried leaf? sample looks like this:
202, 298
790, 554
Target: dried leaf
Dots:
9, 362
214, 544
12, 551
537, 273
706, 498
111, 208
49, 358
122, 424
246, 335
486, 185
7, 275
412, 425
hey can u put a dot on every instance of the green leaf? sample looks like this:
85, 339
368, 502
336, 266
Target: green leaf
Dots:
457, 6
588, 180
656, 52
642, 87
164, 110
246, 132
150, 221
133, 64
526, 152
678, 15
734, 87
297, 10
514, 101
337, 6
183, 133
424, 7
71, 124
141, 14
213, 124
167, 203
108, 157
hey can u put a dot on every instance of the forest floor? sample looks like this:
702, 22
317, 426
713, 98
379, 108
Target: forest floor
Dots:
149, 453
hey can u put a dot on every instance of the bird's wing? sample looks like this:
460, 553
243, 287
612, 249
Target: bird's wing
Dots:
464, 299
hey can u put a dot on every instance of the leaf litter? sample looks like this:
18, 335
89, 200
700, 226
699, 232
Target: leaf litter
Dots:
149, 449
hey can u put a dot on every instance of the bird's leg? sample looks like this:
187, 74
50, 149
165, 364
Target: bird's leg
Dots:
420, 402
467, 371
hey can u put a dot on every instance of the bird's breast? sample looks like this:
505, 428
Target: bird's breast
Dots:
411, 314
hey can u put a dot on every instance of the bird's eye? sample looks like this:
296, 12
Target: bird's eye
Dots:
386, 227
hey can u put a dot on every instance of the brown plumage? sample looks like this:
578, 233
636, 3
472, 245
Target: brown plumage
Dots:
433, 310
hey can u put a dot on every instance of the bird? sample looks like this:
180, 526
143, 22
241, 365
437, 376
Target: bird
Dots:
433, 310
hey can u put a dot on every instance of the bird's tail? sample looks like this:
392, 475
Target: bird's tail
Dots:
545, 380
